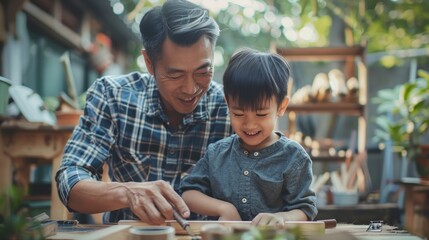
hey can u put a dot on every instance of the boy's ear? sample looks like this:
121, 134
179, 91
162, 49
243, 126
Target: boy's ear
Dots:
283, 107
148, 62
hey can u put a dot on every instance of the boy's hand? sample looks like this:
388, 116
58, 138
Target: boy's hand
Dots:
270, 219
228, 212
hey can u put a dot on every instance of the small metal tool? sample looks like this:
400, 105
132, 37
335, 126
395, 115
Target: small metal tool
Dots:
182, 222
375, 226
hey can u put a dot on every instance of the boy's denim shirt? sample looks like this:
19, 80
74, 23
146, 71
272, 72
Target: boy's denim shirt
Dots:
274, 179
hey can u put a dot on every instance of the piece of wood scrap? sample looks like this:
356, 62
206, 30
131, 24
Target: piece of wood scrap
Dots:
86, 232
308, 228
195, 225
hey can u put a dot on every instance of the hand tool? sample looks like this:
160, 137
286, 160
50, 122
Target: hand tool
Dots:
182, 222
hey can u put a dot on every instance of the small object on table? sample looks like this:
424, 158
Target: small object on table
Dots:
375, 226
152, 233
329, 223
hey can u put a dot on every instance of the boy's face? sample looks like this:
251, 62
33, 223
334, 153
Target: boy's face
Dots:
183, 74
256, 128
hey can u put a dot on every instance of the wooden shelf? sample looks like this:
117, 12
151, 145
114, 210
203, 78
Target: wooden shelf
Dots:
328, 107
361, 213
353, 61
321, 53
327, 159
37, 198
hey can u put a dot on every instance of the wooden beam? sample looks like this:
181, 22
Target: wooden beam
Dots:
53, 26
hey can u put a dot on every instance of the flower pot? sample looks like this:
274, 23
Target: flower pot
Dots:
348, 198
70, 118
422, 162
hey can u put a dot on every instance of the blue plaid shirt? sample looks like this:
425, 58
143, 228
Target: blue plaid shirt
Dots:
125, 126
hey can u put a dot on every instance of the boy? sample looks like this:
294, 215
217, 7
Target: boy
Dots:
256, 174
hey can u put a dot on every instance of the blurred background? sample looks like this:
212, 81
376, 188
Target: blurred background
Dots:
46, 45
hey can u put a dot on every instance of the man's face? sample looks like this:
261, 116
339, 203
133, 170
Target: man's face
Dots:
183, 75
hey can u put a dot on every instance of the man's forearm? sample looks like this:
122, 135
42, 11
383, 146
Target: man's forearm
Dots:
96, 196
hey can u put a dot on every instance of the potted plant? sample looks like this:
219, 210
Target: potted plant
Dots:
15, 222
403, 118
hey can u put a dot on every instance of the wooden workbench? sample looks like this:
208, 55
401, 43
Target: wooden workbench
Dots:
23, 144
416, 205
342, 231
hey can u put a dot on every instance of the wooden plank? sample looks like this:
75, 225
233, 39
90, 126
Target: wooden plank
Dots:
352, 109
53, 25
307, 227
321, 53
105, 232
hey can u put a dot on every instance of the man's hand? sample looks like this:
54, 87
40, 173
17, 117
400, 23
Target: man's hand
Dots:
270, 219
153, 202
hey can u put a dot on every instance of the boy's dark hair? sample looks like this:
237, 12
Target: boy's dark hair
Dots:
181, 21
253, 77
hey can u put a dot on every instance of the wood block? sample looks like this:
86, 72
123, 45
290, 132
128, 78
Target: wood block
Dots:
308, 228
86, 232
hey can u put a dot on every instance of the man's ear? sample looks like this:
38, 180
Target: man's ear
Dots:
148, 63
283, 106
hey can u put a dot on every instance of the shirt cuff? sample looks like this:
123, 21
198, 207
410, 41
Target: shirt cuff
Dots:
67, 178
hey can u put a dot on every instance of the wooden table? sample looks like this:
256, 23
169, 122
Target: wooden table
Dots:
361, 213
416, 205
342, 231
23, 144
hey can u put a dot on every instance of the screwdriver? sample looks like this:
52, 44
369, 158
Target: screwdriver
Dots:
182, 222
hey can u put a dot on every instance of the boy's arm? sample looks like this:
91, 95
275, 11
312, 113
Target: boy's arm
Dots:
202, 204
279, 218
293, 215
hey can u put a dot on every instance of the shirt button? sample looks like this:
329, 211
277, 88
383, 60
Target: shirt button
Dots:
171, 151
255, 154
246, 173
244, 200
246, 152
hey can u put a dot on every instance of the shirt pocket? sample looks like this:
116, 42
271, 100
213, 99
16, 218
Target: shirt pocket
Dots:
267, 195
132, 165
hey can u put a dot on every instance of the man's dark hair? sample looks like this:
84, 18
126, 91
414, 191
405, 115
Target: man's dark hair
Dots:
253, 77
181, 21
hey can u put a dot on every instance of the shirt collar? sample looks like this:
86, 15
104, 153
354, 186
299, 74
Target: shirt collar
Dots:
262, 153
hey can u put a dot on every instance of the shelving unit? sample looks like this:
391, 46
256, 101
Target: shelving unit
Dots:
354, 66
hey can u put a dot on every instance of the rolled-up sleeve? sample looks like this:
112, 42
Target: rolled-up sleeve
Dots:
90, 144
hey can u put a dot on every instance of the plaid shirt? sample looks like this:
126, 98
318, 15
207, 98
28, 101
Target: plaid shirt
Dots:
125, 126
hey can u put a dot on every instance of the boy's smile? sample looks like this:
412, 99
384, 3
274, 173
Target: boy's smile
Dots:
256, 127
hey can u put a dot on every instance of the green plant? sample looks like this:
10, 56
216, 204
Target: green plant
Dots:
15, 222
403, 115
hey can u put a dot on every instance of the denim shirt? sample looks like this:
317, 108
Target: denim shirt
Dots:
125, 126
274, 179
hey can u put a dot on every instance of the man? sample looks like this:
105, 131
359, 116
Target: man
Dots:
148, 128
